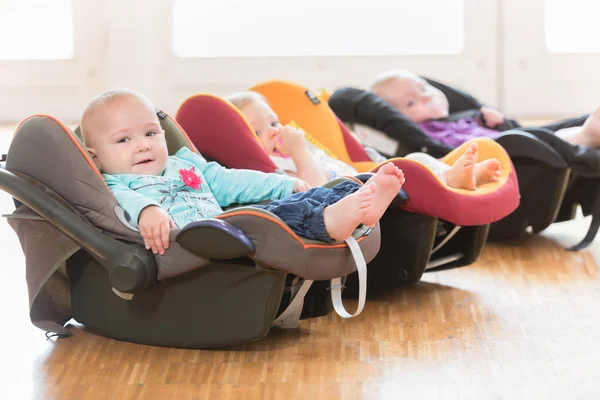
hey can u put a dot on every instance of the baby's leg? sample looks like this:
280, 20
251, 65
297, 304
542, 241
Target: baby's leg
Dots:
586, 135
591, 128
574, 135
325, 214
487, 171
389, 179
344, 216
438, 167
461, 175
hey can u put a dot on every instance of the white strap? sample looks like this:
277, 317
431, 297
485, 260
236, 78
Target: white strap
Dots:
336, 284
124, 296
444, 260
289, 318
449, 236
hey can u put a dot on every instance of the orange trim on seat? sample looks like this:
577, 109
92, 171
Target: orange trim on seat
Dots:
71, 136
354, 179
287, 229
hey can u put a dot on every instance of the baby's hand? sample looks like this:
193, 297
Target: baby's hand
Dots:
492, 117
301, 186
155, 224
292, 141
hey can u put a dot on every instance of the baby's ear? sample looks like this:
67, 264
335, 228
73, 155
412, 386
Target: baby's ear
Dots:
92, 153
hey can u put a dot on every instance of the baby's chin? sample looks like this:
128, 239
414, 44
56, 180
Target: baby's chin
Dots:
150, 168
441, 114
439, 111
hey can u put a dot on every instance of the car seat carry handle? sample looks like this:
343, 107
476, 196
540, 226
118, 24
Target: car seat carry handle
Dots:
594, 226
215, 239
523, 144
131, 268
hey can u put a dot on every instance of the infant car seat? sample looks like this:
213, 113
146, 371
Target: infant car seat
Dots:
583, 186
222, 281
408, 236
539, 159
472, 211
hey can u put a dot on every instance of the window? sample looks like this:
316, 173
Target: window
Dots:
36, 29
259, 28
571, 26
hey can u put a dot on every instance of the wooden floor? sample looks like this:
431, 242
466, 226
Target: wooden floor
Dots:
521, 323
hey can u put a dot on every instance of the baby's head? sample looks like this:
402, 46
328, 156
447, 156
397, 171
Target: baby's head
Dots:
261, 117
122, 133
411, 95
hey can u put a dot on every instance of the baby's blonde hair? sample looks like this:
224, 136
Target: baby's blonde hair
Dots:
242, 99
104, 99
386, 77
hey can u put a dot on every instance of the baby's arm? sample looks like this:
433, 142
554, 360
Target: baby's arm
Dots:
492, 117
293, 144
238, 186
145, 213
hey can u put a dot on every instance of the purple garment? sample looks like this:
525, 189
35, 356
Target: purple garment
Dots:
458, 132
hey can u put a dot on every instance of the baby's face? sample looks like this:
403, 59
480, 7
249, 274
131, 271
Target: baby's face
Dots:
127, 138
416, 99
265, 123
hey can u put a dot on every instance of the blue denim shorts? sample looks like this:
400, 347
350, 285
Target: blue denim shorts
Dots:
303, 212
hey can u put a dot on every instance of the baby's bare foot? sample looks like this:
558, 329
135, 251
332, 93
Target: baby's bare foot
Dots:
461, 175
389, 179
487, 171
591, 129
342, 218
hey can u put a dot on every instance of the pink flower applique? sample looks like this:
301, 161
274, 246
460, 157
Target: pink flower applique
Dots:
190, 178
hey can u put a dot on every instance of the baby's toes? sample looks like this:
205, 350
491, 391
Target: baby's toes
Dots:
389, 168
365, 194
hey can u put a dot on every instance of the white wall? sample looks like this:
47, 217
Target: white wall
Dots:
128, 43
475, 69
539, 82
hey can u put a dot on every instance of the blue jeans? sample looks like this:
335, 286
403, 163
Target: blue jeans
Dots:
303, 212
